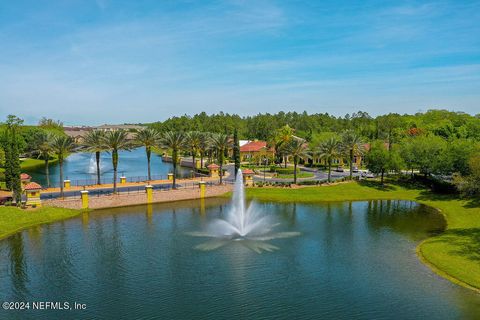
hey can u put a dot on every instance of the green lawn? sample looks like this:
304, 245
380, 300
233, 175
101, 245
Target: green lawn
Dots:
31, 163
299, 175
455, 254
13, 219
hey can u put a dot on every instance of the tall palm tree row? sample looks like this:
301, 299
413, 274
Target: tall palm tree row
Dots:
192, 143
94, 141
204, 145
329, 150
352, 146
297, 148
44, 150
61, 147
148, 138
115, 141
174, 141
221, 142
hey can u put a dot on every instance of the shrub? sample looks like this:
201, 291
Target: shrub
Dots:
307, 183
203, 171
283, 170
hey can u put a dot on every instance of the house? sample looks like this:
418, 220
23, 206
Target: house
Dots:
112, 127
256, 151
76, 133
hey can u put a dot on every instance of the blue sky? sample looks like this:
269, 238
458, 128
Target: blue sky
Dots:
91, 62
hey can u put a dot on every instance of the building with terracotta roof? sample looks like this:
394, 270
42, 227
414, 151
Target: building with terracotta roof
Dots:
256, 151
32, 191
25, 178
214, 170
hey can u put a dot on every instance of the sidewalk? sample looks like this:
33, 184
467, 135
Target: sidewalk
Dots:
125, 185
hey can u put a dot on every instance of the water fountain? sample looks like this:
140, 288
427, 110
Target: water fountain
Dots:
249, 226
92, 165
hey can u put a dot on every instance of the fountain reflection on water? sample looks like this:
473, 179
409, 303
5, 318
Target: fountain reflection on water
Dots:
249, 226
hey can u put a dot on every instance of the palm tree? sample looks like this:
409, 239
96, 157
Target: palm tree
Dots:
114, 141
297, 148
148, 138
352, 145
62, 146
203, 146
329, 150
174, 141
221, 142
192, 142
281, 140
43, 147
94, 141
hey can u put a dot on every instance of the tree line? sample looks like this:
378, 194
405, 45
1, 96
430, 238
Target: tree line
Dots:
446, 124
435, 143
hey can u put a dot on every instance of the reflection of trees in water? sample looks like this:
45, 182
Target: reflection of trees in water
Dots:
109, 253
18, 265
405, 217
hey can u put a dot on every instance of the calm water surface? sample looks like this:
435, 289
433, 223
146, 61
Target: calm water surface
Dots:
352, 261
81, 167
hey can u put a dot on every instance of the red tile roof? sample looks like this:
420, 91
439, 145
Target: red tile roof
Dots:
24, 176
253, 146
247, 171
213, 166
33, 186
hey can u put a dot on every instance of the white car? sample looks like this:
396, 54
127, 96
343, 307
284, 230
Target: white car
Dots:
367, 174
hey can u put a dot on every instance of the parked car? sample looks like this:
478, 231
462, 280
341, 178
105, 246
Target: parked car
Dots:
340, 169
5, 199
367, 174
354, 169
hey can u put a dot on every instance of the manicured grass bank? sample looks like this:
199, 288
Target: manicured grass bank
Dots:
31, 163
13, 219
454, 255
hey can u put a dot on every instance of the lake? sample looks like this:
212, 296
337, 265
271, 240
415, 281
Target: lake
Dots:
351, 260
80, 168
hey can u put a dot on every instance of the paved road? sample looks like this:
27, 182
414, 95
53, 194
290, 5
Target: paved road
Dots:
318, 175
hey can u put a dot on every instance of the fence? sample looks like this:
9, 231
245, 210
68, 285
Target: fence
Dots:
69, 195
131, 179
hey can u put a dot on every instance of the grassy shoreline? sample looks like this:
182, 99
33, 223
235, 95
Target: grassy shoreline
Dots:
454, 255
13, 219
33, 163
